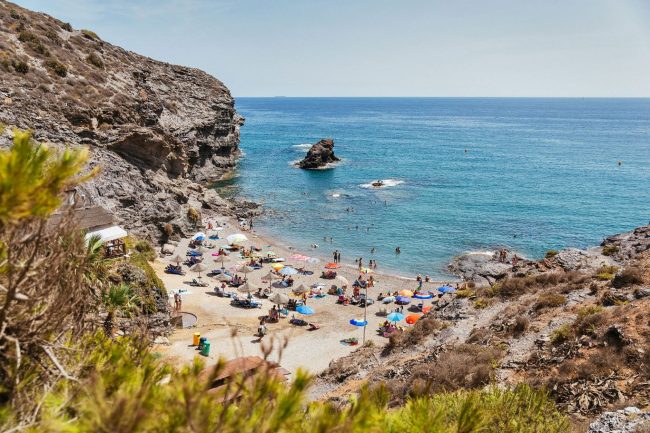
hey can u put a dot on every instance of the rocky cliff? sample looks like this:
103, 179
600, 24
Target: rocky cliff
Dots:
160, 132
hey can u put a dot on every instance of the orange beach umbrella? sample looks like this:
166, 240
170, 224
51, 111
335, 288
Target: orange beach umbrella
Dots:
332, 265
406, 293
412, 318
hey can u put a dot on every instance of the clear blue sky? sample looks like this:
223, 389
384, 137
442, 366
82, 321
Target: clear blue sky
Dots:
386, 47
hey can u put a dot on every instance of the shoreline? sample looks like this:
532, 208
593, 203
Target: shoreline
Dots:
232, 331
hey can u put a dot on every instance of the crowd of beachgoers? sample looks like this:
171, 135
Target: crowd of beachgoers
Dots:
237, 282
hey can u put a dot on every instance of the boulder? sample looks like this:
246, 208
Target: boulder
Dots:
320, 155
168, 249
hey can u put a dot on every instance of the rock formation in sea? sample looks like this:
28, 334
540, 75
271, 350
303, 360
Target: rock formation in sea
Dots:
319, 155
160, 132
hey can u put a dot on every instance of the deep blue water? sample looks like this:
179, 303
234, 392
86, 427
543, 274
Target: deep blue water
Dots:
477, 173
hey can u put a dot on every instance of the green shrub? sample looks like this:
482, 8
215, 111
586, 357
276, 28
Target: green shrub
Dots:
610, 250
66, 27
95, 60
605, 276
57, 67
145, 248
551, 253
561, 334
194, 215
21, 67
90, 35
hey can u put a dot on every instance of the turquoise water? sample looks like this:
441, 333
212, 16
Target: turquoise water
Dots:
470, 174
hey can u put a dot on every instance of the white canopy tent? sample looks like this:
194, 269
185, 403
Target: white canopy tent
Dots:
108, 234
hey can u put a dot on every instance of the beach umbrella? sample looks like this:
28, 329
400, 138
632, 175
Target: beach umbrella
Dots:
300, 289
446, 289
270, 276
312, 260
200, 236
199, 267
279, 298
426, 309
332, 266
299, 257
366, 270
423, 295
277, 266
402, 300
236, 239
305, 310
358, 322
412, 318
395, 316
224, 278
343, 280
177, 259
406, 293
388, 299
246, 288
288, 270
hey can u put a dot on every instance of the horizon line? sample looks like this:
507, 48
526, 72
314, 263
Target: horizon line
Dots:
444, 97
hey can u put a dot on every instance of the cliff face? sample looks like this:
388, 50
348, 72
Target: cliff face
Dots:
158, 131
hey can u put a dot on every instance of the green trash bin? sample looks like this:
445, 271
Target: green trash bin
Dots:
205, 351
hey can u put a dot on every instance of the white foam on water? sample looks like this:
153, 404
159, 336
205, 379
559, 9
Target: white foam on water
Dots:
386, 184
301, 147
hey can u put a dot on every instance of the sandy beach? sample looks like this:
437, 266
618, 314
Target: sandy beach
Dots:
232, 330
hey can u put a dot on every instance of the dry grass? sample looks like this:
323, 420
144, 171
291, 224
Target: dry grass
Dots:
549, 300
517, 286
520, 326
463, 366
422, 329
630, 276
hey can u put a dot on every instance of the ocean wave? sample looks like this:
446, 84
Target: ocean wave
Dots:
301, 147
385, 184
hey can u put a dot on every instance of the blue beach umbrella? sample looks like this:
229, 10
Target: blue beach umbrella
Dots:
288, 270
395, 317
423, 295
358, 322
303, 309
403, 300
446, 289
200, 236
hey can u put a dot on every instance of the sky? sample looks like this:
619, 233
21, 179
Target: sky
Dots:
511, 48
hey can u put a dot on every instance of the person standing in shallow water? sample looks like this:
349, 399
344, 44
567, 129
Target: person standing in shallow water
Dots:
398, 250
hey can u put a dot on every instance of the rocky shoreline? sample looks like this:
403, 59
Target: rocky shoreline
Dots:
484, 269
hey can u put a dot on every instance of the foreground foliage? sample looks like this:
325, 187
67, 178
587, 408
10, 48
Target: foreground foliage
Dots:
127, 389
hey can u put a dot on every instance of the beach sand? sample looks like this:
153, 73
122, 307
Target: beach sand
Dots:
232, 331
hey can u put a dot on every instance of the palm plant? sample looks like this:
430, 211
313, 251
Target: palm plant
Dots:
118, 298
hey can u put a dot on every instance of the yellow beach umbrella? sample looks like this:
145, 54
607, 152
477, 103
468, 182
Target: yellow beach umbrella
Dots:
366, 270
277, 266
406, 293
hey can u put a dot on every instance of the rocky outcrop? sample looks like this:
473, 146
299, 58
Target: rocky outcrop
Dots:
628, 420
320, 155
628, 245
158, 131
485, 269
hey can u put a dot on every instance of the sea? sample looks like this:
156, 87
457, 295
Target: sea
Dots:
460, 175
